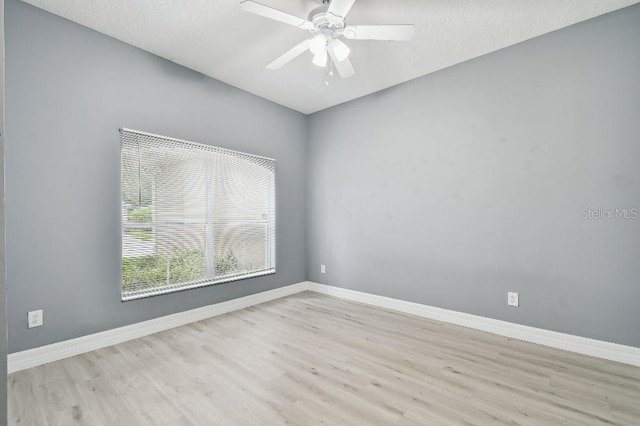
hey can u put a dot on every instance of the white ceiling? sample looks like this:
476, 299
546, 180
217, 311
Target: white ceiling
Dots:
218, 39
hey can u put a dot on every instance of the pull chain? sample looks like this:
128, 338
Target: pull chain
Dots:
329, 71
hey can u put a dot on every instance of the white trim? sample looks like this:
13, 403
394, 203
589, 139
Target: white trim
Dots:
582, 345
68, 348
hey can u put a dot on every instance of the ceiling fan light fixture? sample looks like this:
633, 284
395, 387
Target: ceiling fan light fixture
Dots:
318, 44
320, 59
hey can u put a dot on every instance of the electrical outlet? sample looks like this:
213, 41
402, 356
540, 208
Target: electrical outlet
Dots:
512, 299
322, 269
35, 318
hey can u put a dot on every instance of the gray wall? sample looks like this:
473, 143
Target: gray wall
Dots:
457, 187
69, 89
3, 298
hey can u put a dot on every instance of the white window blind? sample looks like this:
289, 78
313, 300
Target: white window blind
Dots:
193, 215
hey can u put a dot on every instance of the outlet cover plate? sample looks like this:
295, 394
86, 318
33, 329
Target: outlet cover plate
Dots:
322, 269
35, 318
512, 299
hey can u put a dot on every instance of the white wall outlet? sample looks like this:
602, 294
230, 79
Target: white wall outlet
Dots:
322, 269
512, 299
35, 318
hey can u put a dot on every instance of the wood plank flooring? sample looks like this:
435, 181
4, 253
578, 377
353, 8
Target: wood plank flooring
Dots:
309, 359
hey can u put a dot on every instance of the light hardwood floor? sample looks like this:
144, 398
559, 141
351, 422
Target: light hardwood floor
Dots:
309, 359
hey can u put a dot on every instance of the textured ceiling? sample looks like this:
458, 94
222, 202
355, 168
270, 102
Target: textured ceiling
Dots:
218, 39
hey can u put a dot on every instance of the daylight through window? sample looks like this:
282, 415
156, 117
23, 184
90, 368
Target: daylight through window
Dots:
193, 215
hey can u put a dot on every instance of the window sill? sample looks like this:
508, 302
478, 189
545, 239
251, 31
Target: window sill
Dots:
140, 294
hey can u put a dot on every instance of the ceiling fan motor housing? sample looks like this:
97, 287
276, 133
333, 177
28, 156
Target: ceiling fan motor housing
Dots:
326, 23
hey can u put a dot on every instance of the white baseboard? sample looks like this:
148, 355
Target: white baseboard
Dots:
68, 348
582, 345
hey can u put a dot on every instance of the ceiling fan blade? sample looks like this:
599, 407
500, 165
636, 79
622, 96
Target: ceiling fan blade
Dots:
344, 68
275, 14
402, 32
289, 55
340, 7
340, 49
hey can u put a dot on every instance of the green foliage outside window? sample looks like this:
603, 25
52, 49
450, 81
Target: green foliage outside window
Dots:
141, 214
151, 271
226, 264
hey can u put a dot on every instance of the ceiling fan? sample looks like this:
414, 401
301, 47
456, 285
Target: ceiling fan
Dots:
327, 24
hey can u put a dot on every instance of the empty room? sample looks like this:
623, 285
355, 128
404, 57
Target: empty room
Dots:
305, 212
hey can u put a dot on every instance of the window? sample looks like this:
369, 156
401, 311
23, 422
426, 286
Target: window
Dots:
193, 215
